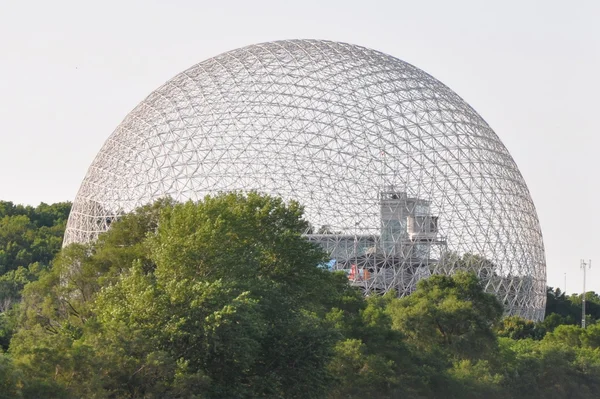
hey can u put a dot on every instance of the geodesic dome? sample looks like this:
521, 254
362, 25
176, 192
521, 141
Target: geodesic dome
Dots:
400, 178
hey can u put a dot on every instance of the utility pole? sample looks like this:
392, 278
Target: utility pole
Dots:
565, 287
584, 268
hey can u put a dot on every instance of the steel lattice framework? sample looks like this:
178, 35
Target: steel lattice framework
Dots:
400, 177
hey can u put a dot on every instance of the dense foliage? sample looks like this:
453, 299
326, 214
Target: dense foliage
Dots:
30, 235
29, 239
225, 299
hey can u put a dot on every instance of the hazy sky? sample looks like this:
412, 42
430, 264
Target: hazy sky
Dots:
70, 71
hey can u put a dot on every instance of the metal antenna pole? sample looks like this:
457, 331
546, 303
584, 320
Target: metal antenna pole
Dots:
583, 266
565, 287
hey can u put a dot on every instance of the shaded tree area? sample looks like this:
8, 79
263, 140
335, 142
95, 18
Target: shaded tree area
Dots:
30, 235
566, 309
561, 309
29, 239
224, 299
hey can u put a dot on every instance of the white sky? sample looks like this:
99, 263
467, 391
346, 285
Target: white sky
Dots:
70, 71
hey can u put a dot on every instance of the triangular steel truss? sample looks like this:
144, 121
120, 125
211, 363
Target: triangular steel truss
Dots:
333, 126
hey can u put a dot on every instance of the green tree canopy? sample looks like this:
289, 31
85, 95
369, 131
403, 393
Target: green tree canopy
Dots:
29, 239
222, 298
29, 235
452, 312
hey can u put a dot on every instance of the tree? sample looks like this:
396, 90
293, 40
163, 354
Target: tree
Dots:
450, 312
9, 379
221, 298
374, 360
29, 235
548, 369
29, 239
225, 298
516, 327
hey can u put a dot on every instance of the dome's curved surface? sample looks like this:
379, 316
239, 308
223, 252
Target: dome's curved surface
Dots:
399, 175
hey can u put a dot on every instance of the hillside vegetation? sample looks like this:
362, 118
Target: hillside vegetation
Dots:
224, 299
